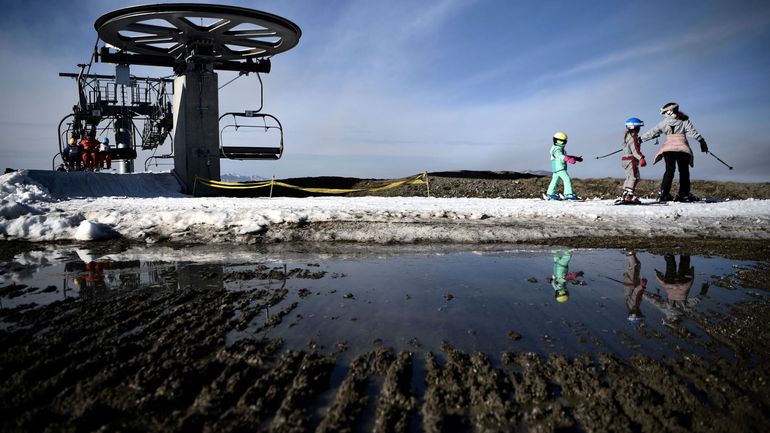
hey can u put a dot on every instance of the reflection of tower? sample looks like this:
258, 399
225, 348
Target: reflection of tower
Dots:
208, 276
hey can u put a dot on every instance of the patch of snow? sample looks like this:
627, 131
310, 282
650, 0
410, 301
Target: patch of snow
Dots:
91, 231
156, 212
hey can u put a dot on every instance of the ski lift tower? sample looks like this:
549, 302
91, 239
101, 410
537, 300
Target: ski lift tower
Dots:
196, 40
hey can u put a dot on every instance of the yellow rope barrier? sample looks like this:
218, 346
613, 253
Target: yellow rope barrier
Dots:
420, 179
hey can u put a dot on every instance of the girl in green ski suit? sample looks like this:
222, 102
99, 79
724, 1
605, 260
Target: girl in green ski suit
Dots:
559, 161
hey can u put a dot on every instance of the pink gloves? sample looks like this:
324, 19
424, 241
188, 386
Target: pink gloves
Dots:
642, 162
569, 159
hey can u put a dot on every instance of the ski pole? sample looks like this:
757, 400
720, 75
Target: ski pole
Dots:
604, 156
728, 166
610, 278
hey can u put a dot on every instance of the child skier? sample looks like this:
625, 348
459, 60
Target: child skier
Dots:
559, 161
631, 160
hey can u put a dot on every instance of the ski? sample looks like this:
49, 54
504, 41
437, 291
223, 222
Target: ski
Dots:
620, 202
561, 198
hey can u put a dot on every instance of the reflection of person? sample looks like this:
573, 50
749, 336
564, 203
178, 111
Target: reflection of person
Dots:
561, 275
95, 275
632, 159
559, 161
677, 282
675, 150
634, 287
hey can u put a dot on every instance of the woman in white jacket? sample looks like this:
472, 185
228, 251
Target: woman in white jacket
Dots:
675, 150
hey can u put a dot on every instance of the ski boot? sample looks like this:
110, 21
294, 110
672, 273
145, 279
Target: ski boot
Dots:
571, 197
664, 197
551, 197
688, 198
629, 198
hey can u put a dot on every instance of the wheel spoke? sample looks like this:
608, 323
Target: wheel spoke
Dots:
152, 39
265, 45
175, 48
150, 29
181, 23
222, 26
251, 33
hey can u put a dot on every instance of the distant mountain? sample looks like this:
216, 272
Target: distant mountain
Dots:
537, 172
229, 177
486, 174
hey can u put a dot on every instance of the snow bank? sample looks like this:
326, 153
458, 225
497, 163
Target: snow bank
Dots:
89, 184
28, 211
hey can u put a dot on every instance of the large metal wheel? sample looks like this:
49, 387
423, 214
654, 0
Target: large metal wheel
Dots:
212, 32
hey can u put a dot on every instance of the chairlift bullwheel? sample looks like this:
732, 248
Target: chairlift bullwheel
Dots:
214, 32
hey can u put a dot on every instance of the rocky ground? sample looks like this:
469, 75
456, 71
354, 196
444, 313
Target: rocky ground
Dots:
486, 184
504, 184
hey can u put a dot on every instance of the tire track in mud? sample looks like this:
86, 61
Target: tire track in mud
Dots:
159, 360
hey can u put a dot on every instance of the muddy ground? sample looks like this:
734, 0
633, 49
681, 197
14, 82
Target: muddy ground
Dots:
159, 360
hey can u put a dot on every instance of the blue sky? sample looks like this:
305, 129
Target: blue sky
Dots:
391, 88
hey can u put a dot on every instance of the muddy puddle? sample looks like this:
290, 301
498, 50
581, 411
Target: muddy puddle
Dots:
380, 338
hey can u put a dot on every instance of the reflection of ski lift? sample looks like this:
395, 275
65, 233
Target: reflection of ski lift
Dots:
269, 124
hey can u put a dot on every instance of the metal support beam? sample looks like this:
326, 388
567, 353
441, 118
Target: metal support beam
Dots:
121, 57
196, 126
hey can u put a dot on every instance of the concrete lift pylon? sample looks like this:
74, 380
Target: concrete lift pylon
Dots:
195, 40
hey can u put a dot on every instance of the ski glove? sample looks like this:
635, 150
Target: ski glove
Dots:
642, 162
703, 147
569, 159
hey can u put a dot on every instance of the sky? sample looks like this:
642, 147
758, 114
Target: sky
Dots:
387, 89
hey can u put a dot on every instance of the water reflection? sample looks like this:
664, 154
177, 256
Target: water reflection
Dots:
561, 275
676, 282
489, 299
635, 287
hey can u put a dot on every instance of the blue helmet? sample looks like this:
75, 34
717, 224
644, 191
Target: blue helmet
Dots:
634, 122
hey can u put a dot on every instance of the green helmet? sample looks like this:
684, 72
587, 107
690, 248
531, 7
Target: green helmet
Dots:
562, 295
560, 138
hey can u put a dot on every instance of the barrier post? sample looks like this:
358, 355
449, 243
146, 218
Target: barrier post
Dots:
427, 184
272, 182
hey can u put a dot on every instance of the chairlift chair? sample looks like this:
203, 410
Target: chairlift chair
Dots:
269, 122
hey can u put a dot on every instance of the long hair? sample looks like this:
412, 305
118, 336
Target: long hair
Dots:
674, 107
634, 131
